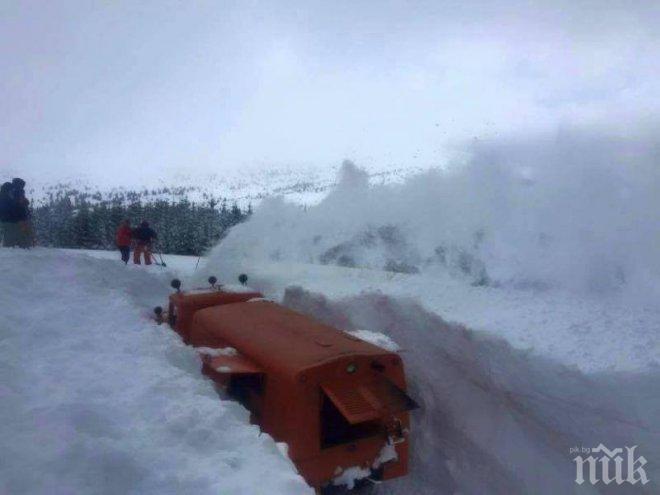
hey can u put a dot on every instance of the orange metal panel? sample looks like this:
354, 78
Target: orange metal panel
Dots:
282, 341
389, 397
359, 402
185, 304
351, 401
235, 365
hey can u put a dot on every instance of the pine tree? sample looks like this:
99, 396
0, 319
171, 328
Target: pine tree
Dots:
84, 219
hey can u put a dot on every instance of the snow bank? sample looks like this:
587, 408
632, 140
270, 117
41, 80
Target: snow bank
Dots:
222, 351
238, 289
97, 399
492, 419
592, 334
376, 338
350, 476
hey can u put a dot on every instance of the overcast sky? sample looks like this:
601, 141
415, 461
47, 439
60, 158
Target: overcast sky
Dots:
120, 91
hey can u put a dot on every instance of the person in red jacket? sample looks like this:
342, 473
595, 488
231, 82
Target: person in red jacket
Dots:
123, 240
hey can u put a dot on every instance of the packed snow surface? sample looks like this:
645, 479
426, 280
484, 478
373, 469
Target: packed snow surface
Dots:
98, 399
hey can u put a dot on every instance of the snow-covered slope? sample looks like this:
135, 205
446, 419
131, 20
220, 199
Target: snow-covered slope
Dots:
97, 399
302, 185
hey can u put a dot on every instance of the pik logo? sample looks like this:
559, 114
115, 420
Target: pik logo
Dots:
607, 466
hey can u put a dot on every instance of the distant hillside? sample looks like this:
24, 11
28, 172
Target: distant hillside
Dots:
304, 186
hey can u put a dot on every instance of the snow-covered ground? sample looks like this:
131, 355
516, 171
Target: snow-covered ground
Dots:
101, 400
176, 264
98, 399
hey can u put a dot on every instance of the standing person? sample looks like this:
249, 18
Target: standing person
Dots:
22, 213
144, 237
123, 239
8, 216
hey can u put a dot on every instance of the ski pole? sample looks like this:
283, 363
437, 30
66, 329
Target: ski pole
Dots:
160, 255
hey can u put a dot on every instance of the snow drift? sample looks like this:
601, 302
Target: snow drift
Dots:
96, 398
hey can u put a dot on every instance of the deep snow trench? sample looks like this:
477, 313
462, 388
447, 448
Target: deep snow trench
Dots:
97, 399
495, 420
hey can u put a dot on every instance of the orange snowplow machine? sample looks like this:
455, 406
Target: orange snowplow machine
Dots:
338, 402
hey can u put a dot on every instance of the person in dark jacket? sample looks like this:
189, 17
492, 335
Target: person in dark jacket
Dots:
144, 237
22, 213
8, 216
123, 240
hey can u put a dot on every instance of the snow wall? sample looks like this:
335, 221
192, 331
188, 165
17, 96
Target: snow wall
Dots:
492, 420
95, 398
576, 211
